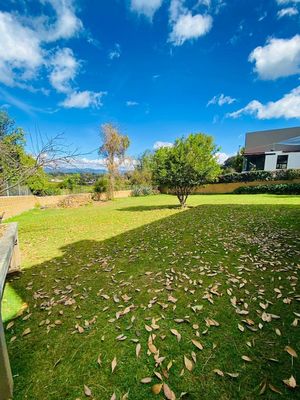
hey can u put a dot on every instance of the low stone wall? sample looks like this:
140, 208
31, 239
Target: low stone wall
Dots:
15, 205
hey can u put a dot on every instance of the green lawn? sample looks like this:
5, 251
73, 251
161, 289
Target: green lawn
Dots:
106, 281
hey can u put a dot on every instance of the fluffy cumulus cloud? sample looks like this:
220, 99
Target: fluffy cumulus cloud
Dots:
287, 107
20, 51
287, 12
157, 145
64, 70
186, 26
146, 7
25, 50
221, 100
278, 58
190, 26
83, 99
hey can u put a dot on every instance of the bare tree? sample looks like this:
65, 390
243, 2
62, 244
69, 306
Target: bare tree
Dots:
47, 152
113, 150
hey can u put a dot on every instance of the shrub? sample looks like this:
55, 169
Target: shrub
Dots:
286, 174
141, 190
284, 188
101, 186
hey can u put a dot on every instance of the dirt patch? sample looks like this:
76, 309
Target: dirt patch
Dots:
74, 201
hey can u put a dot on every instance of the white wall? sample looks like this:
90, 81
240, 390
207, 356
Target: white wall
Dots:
294, 160
271, 160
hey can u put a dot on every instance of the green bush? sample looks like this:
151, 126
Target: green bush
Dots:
101, 186
284, 188
285, 174
141, 190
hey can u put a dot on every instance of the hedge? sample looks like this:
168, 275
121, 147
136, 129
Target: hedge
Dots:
284, 174
284, 188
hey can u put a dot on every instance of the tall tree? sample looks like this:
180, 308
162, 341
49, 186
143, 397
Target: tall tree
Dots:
113, 150
16, 166
190, 163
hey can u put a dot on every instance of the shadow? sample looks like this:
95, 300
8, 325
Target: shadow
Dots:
54, 361
153, 208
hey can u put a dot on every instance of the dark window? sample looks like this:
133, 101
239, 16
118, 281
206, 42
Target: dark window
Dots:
282, 162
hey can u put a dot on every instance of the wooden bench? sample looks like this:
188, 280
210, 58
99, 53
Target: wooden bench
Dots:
9, 262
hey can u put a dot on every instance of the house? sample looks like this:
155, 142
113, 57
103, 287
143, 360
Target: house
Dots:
272, 150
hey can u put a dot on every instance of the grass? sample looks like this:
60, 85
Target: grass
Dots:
226, 258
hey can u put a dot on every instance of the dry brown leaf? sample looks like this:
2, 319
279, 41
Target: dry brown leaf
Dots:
138, 350
146, 380
246, 358
188, 364
176, 333
169, 394
87, 391
291, 351
26, 332
113, 364
232, 374
274, 389
99, 360
290, 382
218, 372
197, 344
156, 389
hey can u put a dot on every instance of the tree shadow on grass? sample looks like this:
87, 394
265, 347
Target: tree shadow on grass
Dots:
152, 208
55, 361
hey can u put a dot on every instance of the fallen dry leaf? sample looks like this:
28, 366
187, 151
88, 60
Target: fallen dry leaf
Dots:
113, 364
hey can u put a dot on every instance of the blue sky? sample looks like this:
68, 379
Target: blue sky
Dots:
159, 69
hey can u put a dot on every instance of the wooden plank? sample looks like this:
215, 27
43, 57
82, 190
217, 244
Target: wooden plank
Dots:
8, 245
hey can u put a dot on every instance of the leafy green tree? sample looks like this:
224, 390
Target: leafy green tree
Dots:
113, 150
70, 182
142, 173
234, 163
190, 163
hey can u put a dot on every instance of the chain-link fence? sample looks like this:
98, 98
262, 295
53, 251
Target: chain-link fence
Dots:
18, 190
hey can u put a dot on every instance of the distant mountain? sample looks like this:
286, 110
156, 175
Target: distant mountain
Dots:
73, 170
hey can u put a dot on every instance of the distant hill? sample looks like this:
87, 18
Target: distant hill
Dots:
73, 170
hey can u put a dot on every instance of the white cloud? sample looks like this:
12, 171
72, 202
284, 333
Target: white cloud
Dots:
96, 164
278, 58
157, 145
130, 103
83, 99
222, 157
282, 2
190, 27
66, 24
64, 69
20, 51
146, 7
287, 107
221, 100
25, 52
287, 12
115, 53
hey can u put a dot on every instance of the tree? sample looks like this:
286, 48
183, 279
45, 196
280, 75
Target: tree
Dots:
16, 166
190, 163
234, 163
142, 173
113, 150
